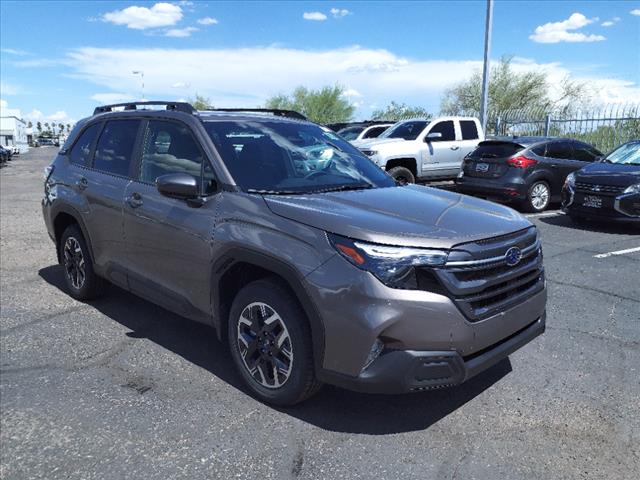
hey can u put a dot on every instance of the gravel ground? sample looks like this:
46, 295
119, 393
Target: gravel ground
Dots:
120, 388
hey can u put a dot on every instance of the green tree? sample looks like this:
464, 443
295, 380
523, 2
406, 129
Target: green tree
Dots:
201, 103
511, 90
399, 111
39, 127
326, 105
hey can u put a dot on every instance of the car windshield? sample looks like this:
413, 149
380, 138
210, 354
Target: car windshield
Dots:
627, 154
407, 130
350, 133
284, 157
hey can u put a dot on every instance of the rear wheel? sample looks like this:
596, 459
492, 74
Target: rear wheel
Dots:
402, 175
538, 197
81, 280
270, 342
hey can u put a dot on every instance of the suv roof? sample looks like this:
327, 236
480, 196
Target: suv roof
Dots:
186, 107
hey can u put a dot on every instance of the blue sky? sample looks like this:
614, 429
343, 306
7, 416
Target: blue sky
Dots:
61, 59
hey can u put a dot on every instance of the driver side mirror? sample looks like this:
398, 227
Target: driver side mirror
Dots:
178, 185
433, 136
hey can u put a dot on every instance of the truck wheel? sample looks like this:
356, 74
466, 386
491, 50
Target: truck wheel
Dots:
402, 175
81, 280
538, 197
270, 343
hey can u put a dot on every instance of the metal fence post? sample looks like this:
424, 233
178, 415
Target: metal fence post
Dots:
498, 124
547, 125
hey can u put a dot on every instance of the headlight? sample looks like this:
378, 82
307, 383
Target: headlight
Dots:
393, 266
570, 181
369, 153
632, 188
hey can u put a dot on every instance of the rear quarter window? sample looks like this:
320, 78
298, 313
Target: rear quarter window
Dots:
496, 150
80, 153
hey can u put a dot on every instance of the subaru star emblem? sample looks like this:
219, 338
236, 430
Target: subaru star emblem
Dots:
513, 256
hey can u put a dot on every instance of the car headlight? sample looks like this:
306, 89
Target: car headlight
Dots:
393, 266
369, 153
632, 188
571, 180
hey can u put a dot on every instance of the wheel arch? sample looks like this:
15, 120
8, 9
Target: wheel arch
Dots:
236, 262
64, 216
410, 163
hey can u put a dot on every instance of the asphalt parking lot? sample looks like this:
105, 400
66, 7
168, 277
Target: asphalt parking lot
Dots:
119, 388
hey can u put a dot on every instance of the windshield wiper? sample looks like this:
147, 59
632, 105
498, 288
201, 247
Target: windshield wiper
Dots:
343, 188
274, 192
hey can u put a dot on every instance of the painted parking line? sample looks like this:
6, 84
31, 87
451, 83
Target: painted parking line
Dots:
619, 252
544, 214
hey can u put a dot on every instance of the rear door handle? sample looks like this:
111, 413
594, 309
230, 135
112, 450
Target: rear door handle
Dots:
554, 165
82, 183
134, 200
454, 147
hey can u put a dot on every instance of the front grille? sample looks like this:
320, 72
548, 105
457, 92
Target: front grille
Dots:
484, 284
597, 188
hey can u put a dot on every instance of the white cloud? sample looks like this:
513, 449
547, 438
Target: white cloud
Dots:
35, 115
339, 12
556, 32
317, 16
180, 32
351, 92
112, 97
14, 51
610, 23
636, 12
253, 74
208, 21
140, 18
10, 89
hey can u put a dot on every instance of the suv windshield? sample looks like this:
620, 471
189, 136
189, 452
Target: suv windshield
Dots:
272, 156
627, 154
350, 133
406, 130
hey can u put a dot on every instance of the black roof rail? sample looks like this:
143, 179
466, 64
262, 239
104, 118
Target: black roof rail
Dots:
177, 106
274, 111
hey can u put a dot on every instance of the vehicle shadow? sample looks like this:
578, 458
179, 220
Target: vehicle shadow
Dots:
599, 226
331, 409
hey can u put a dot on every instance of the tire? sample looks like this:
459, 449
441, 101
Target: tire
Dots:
256, 345
82, 282
538, 197
402, 175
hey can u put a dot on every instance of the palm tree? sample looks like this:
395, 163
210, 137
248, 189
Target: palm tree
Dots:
39, 127
30, 124
68, 127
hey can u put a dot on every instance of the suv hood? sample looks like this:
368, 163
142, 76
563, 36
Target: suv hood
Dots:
374, 142
609, 174
412, 215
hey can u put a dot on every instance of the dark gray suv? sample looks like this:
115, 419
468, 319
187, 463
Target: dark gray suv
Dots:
301, 253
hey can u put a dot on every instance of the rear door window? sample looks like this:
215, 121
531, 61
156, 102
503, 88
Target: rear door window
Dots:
115, 147
446, 128
495, 150
469, 130
559, 150
81, 151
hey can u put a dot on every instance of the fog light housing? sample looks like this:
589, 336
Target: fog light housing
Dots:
376, 350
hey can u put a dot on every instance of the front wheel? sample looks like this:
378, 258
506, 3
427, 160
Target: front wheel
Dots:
402, 175
538, 197
270, 343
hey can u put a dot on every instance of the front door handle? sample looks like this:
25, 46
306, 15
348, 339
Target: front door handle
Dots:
134, 200
82, 183
454, 147
554, 165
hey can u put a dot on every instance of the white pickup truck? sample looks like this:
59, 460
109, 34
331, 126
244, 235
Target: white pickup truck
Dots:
428, 149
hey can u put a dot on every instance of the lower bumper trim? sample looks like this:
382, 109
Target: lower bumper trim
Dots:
401, 371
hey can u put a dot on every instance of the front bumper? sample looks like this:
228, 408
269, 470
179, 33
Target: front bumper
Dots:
619, 208
402, 371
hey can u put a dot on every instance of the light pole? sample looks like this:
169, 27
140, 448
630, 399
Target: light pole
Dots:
485, 66
141, 73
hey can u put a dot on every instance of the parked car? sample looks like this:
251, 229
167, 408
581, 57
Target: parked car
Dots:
46, 142
15, 150
426, 149
363, 131
5, 155
312, 274
528, 171
608, 189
